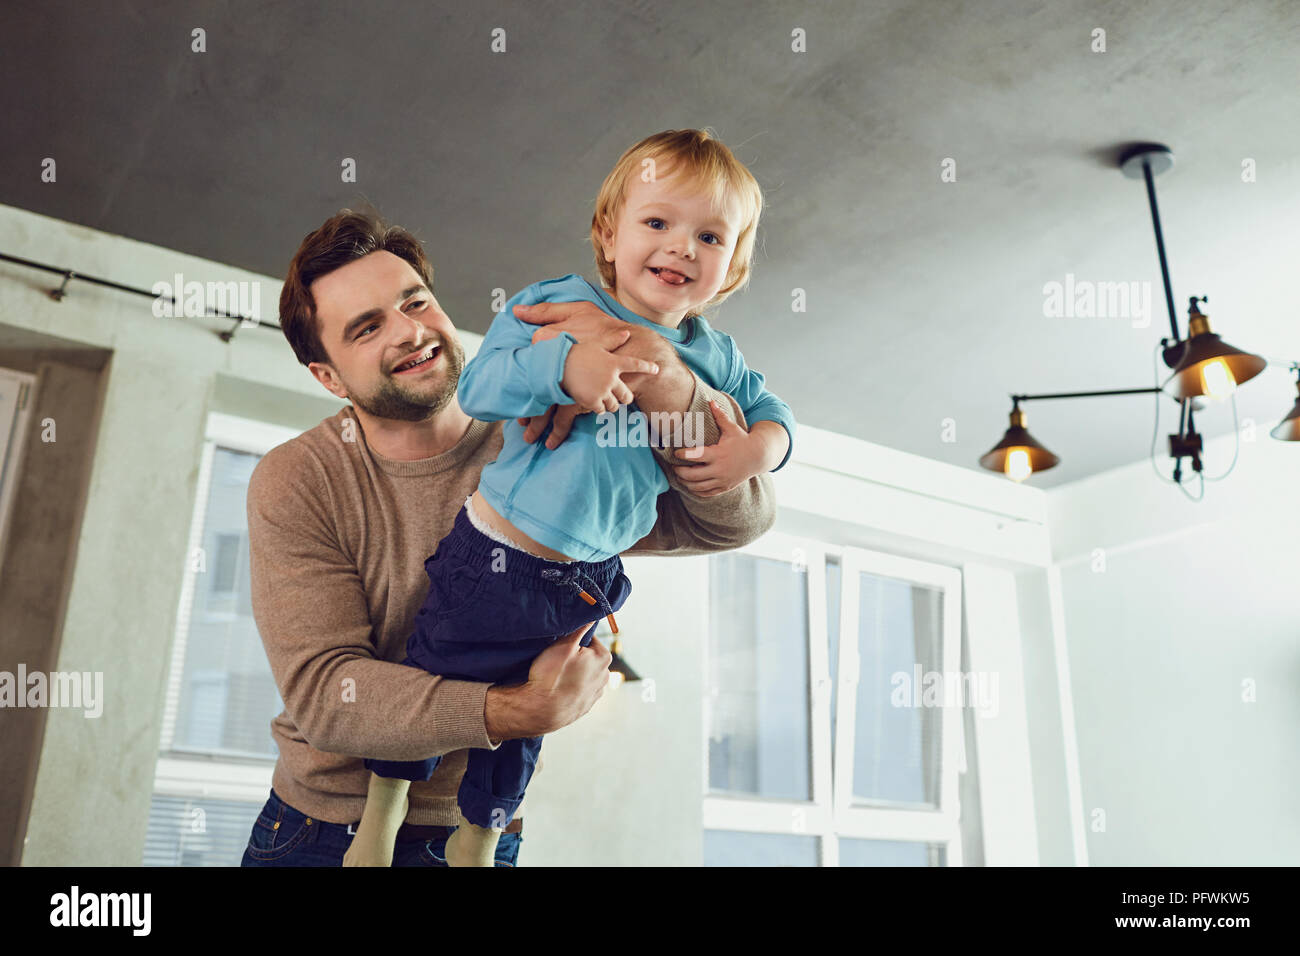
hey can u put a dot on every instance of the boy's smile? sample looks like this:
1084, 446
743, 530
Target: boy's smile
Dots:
670, 248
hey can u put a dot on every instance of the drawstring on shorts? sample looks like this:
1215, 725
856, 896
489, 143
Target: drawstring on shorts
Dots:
570, 577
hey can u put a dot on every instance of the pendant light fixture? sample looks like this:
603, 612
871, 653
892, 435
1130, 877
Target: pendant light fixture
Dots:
1204, 366
1209, 366
619, 666
1018, 455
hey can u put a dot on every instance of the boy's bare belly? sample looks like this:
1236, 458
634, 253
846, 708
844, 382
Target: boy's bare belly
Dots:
486, 512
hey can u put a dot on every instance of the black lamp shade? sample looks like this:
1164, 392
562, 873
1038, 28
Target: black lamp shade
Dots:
1202, 349
1288, 429
1018, 438
618, 665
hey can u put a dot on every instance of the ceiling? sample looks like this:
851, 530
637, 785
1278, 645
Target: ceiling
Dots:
925, 299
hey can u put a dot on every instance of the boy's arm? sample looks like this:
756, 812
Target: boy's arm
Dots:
760, 405
510, 377
312, 615
688, 523
691, 524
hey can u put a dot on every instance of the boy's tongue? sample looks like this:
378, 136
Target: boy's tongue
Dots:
669, 275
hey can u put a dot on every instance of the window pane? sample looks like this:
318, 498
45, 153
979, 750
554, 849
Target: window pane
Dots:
197, 831
896, 748
223, 576
228, 696
890, 853
833, 632
757, 678
735, 848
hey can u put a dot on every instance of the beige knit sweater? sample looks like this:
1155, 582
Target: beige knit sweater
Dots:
338, 536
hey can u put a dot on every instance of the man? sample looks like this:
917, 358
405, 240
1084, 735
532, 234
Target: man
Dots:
342, 518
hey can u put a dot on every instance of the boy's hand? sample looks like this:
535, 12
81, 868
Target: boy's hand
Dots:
737, 457
587, 323
593, 377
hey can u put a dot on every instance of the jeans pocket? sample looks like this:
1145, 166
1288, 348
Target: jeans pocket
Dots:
434, 852
508, 849
277, 832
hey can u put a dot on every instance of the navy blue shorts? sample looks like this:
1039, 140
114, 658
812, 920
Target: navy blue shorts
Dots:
490, 610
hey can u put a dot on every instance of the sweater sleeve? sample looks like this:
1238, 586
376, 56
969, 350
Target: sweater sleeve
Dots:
312, 616
690, 524
510, 377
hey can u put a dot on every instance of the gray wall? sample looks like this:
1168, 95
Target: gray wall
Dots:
126, 563
40, 546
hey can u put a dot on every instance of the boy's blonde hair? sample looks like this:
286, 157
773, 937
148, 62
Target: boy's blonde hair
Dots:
706, 163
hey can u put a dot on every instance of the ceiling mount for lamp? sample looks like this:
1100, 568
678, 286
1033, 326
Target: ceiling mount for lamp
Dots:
1136, 155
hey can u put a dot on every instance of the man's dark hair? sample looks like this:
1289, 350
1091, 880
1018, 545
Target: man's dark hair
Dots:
343, 238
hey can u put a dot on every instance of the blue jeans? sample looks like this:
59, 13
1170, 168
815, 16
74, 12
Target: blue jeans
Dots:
284, 837
490, 611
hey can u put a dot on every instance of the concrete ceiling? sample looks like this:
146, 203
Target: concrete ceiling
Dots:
925, 299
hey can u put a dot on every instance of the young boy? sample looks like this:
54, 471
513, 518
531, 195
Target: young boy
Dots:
533, 555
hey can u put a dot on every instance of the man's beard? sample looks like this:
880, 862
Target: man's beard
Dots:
393, 400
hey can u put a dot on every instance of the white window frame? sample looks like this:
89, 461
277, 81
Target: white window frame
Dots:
831, 814
213, 776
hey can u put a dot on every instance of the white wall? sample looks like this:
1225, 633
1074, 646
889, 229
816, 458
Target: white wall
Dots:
1195, 603
623, 786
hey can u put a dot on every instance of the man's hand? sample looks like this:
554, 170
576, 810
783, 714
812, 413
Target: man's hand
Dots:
559, 417
585, 321
564, 682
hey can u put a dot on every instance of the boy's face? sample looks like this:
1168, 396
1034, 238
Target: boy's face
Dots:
670, 248
376, 314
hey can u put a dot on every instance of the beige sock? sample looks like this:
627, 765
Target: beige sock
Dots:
472, 845
386, 806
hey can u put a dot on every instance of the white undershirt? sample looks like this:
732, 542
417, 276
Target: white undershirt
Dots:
494, 534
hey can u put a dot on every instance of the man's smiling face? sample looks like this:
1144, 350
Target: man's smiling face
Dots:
377, 322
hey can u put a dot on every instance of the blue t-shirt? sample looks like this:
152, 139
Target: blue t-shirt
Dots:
591, 497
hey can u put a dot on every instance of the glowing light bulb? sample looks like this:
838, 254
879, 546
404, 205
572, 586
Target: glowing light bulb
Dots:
1017, 467
1216, 379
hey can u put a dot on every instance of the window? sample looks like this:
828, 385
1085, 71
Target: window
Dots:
216, 753
759, 741
822, 748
